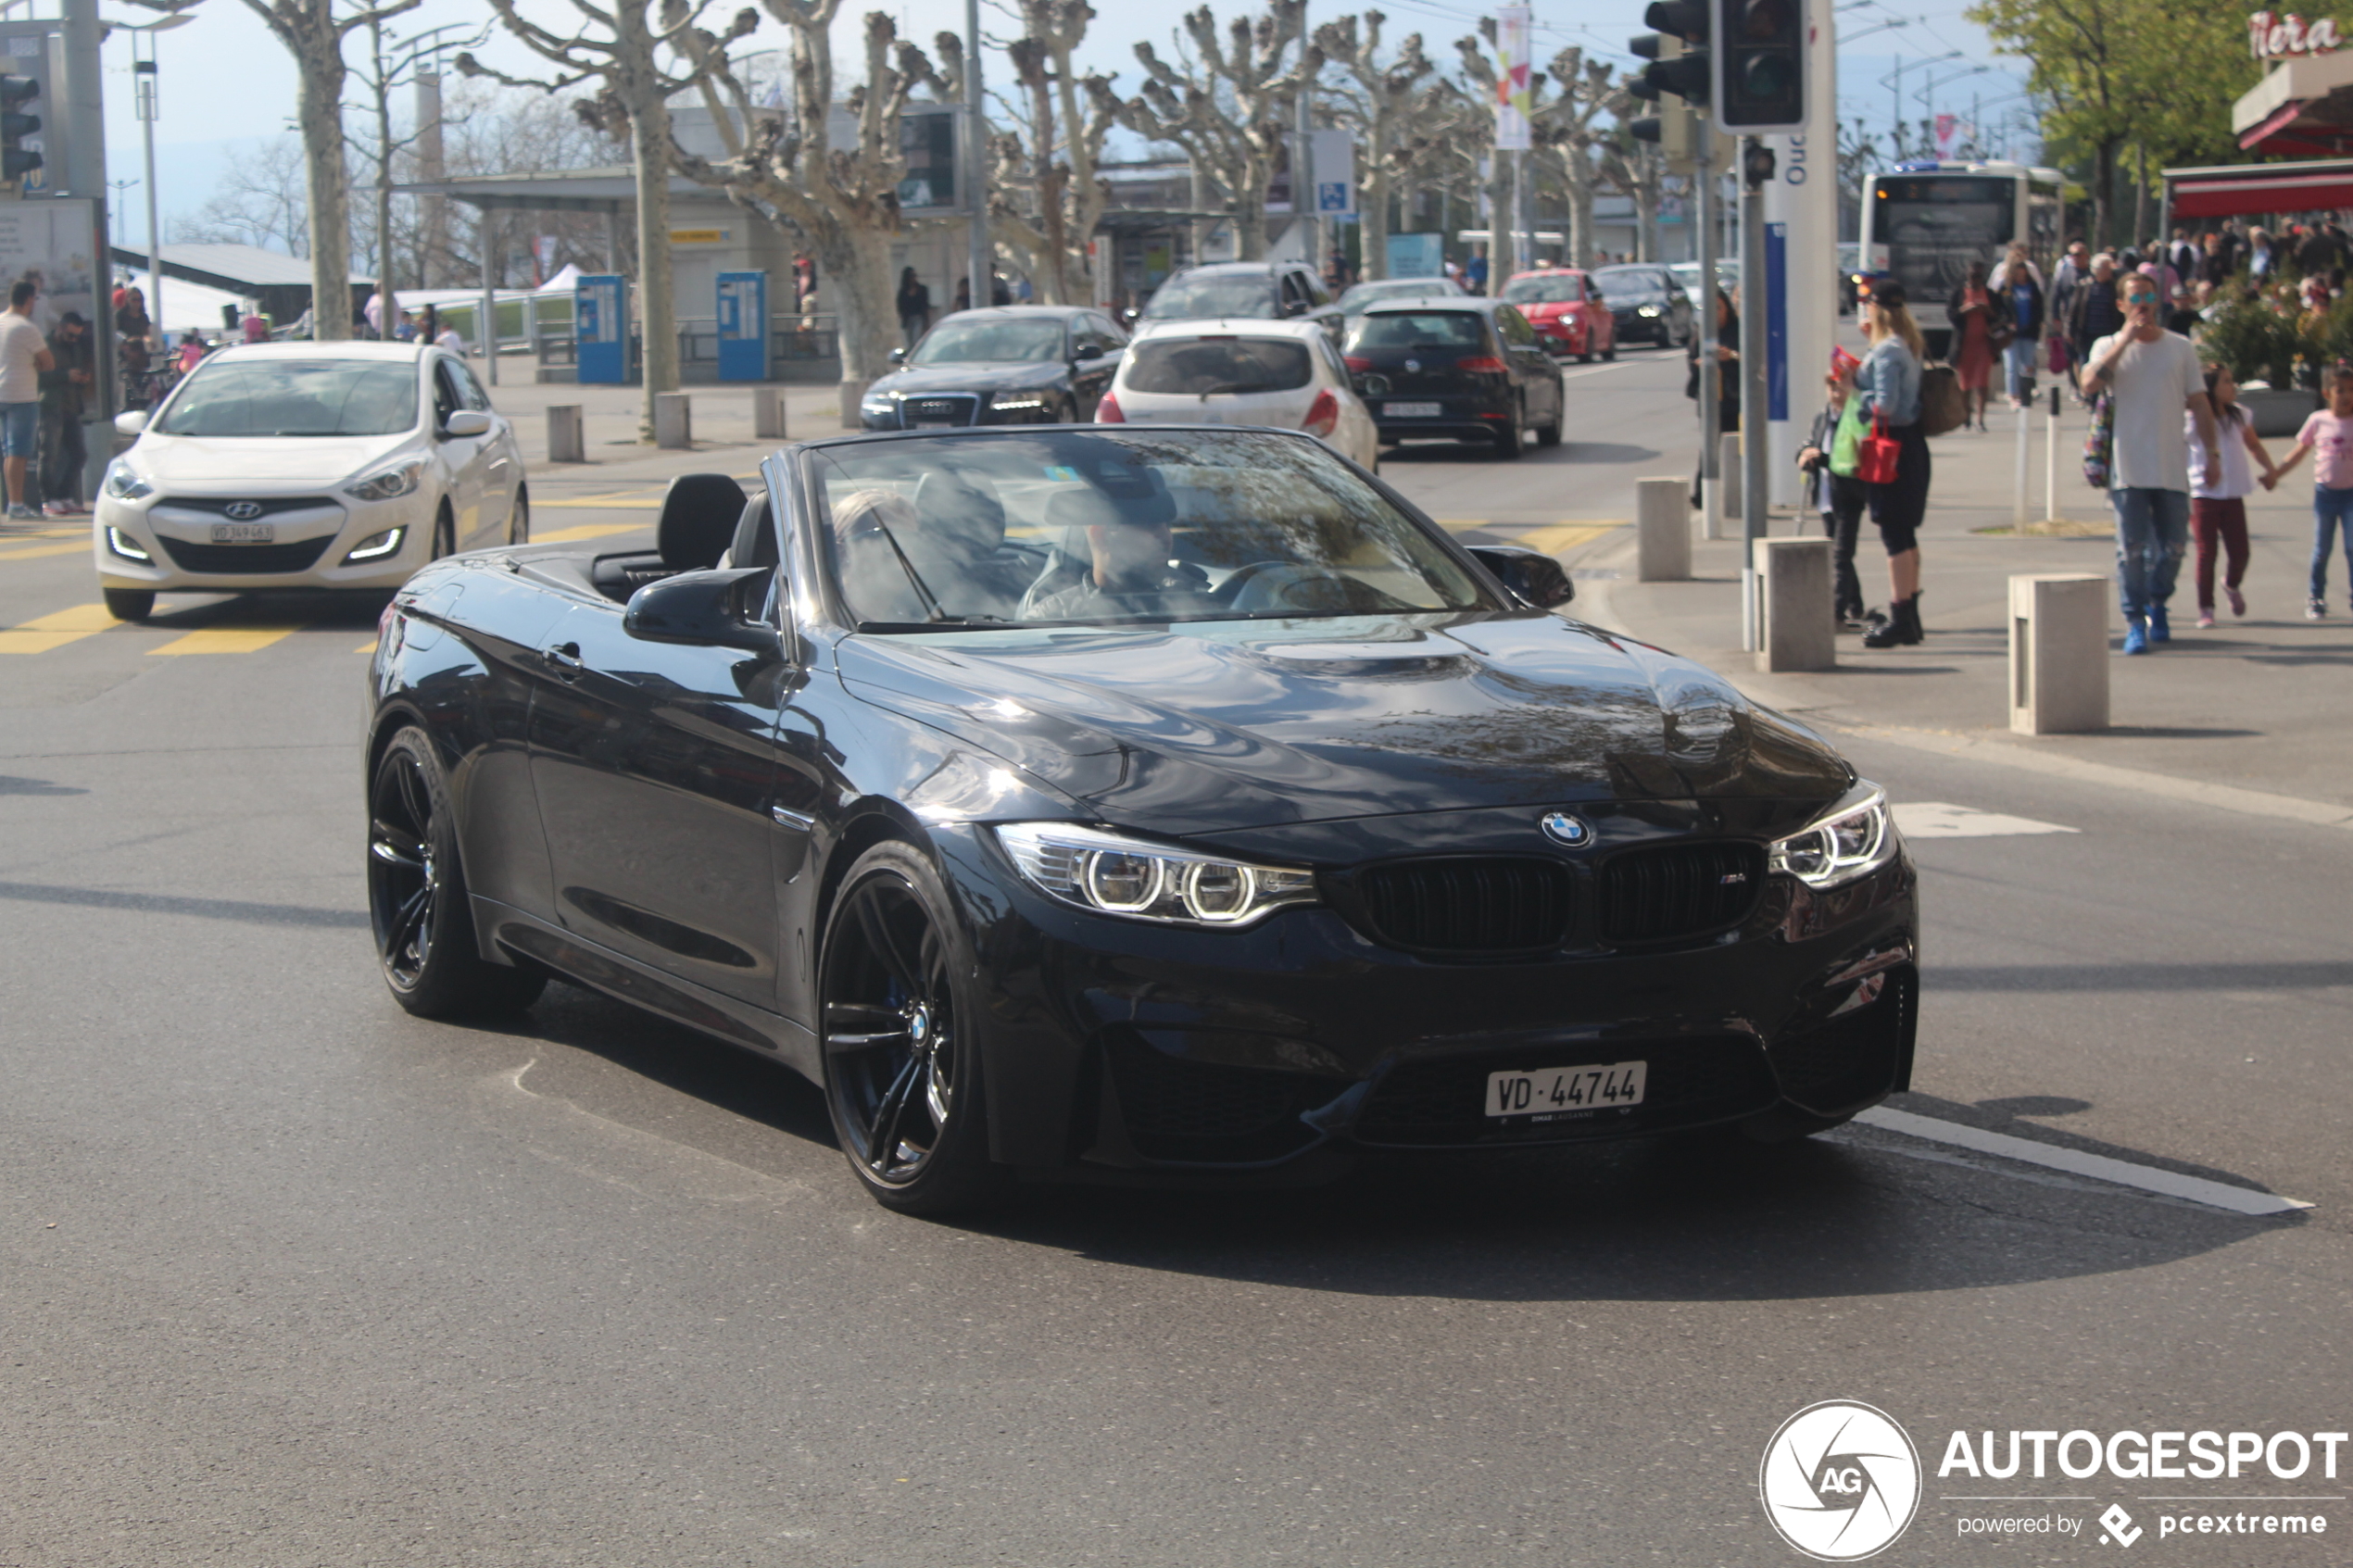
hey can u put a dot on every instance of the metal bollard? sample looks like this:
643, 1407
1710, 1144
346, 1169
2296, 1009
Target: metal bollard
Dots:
1724, 505
674, 419
1794, 587
567, 438
2058, 652
767, 413
1662, 530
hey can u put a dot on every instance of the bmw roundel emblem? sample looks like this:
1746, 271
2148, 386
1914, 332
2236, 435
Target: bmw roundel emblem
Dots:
1412, 364
1561, 828
243, 512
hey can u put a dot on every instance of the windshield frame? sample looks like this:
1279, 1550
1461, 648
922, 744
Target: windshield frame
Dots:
816, 602
158, 419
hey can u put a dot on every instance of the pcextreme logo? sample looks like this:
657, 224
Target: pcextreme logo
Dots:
1840, 1481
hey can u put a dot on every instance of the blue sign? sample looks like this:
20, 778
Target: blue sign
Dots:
1777, 320
1335, 196
743, 326
600, 328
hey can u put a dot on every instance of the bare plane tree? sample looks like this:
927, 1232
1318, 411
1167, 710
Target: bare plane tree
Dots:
1384, 99
1570, 128
1054, 155
1230, 107
313, 31
619, 48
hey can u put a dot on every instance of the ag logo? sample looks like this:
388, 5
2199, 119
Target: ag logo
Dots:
1840, 1481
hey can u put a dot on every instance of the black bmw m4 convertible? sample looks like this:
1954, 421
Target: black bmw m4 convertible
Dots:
1145, 804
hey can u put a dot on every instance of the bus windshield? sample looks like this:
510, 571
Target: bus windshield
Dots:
1934, 226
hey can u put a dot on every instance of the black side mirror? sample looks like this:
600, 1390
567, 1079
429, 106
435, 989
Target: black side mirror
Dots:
1371, 385
898, 357
702, 608
1535, 577
1090, 351
1294, 307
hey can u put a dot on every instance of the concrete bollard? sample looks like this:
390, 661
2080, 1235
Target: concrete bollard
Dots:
767, 413
566, 437
674, 419
1662, 530
2058, 652
1793, 585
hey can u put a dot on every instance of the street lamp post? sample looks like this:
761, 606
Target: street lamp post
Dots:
143, 69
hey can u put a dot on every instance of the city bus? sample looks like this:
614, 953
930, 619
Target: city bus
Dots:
1925, 222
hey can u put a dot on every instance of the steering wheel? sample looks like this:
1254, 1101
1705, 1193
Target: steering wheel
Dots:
1278, 586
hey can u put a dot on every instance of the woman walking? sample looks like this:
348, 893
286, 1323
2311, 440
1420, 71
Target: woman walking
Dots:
914, 306
2218, 499
2022, 290
1971, 310
1888, 380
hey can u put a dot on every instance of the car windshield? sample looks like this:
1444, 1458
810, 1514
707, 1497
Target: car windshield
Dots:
1362, 295
965, 342
1090, 527
1212, 295
1205, 367
1420, 329
1633, 287
1544, 291
294, 397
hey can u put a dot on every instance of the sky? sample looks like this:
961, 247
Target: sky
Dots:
226, 83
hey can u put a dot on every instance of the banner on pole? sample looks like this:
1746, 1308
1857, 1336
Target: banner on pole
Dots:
1513, 96
1333, 155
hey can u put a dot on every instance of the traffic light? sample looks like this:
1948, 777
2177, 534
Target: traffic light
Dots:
1760, 53
1677, 53
17, 160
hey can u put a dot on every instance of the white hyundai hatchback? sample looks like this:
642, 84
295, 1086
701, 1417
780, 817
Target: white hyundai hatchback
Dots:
1287, 374
306, 465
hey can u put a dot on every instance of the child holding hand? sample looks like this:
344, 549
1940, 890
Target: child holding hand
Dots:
2328, 435
2219, 492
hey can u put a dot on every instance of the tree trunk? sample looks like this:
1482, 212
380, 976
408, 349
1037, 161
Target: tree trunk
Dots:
864, 301
2141, 193
1580, 181
325, 186
1372, 205
657, 315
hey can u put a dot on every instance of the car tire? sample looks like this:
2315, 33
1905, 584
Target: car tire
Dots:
129, 604
1611, 352
902, 1070
518, 518
445, 535
1587, 357
1512, 439
1550, 435
416, 906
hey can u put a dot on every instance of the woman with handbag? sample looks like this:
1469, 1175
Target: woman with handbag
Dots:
1892, 462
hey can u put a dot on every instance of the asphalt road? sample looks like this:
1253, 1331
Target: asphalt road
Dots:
287, 1278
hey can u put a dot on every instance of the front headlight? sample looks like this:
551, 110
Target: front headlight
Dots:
123, 482
879, 406
386, 485
1646, 310
1110, 875
1003, 401
1856, 838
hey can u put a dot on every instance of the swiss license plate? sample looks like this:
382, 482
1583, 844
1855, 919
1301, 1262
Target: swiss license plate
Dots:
1555, 1092
1409, 410
244, 532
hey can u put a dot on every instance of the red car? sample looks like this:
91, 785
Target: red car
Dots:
1566, 311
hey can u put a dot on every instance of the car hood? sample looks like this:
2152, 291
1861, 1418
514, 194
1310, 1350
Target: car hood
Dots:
985, 376
1549, 309
232, 460
1238, 724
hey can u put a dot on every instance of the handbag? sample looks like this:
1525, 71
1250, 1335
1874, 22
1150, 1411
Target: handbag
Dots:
1846, 441
2099, 445
1877, 454
2060, 357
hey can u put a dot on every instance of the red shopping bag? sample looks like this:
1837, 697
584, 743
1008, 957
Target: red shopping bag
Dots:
1876, 455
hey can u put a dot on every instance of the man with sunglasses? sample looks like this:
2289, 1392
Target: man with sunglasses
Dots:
2149, 375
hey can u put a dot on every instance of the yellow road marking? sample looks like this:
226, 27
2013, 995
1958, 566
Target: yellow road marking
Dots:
79, 546
620, 501
56, 629
1562, 536
368, 647
586, 530
226, 639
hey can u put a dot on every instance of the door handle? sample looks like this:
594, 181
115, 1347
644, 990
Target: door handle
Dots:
565, 659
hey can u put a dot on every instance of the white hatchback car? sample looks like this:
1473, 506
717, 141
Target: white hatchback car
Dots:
1287, 374
306, 465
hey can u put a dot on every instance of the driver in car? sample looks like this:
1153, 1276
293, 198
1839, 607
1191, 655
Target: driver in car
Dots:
1128, 572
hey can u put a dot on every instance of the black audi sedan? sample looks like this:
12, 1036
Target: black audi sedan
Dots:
1459, 370
1143, 804
1647, 303
1011, 365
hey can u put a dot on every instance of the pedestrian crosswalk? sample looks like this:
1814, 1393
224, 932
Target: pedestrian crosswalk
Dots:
47, 634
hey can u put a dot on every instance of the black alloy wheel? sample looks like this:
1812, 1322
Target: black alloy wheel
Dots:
902, 1072
129, 604
417, 905
1550, 435
1511, 437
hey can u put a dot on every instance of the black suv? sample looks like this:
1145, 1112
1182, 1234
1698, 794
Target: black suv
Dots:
1465, 370
1266, 291
1650, 306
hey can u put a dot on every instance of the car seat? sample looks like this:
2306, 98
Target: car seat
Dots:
700, 514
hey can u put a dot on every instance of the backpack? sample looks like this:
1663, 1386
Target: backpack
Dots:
1944, 406
2099, 446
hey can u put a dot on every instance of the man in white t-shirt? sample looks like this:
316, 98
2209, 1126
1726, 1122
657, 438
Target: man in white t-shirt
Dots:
2149, 375
451, 341
24, 358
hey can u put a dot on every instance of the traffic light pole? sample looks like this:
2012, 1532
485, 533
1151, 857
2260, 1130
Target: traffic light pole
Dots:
1755, 391
1711, 479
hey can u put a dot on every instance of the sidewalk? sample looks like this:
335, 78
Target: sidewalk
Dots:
2258, 704
722, 422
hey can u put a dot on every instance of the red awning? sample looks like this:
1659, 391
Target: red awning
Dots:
2285, 187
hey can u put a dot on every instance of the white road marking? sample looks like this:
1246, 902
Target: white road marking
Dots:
2196, 1190
1936, 819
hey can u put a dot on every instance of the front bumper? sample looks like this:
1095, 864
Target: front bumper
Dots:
312, 539
1127, 1047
